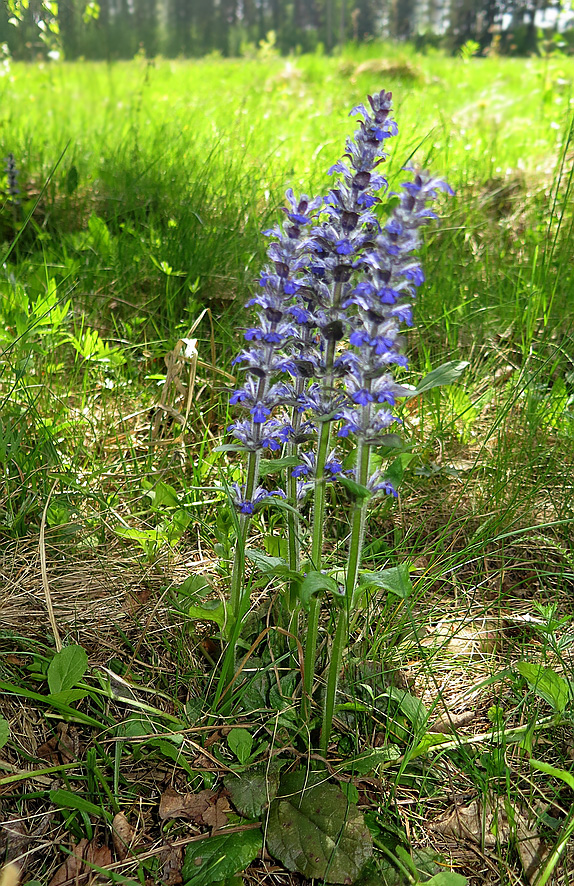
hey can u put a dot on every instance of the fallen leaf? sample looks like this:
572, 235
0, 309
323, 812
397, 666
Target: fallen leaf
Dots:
13, 839
448, 722
490, 825
191, 806
466, 639
171, 859
475, 823
63, 747
123, 835
216, 814
530, 850
84, 855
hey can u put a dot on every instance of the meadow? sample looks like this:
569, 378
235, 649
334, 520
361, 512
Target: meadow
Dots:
127, 258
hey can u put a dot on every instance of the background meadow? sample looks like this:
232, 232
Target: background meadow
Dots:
126, 261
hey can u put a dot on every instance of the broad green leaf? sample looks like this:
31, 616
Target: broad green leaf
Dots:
264, 562
101, 238
217, 858
390, 441
353, 488
210, 610
141, 535
66, 668
546, 683
276, 546
395, 580
396, 470
253, 790
4, 731
272, 465
411, 706
428, 741
314, 583
446, 374
552, 770
447, 878
240, 743
364, 763
350, 791
194, 586
163, 495
313, 829
69, 800
66, 696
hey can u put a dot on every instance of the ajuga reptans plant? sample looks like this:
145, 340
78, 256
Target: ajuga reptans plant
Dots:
318, 365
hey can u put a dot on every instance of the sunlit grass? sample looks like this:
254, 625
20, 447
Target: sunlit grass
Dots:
170, 172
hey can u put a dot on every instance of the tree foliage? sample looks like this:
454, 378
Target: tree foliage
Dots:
119, 28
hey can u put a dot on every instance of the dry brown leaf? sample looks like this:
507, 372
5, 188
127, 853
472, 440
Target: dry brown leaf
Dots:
216, 814
84, 855
123, 835
489, 825
476, 823
171, 860
13, 838
191, 806
465, 639
448, 722
64, 747
530, 849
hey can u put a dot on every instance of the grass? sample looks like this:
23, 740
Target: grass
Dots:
145, 187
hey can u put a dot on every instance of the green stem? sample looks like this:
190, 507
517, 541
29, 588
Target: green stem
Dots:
353, 564
236, 590
316, 559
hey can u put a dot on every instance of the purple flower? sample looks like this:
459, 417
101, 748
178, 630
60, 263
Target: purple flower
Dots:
260, 498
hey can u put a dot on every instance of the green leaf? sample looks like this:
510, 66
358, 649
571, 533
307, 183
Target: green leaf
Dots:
64, 709
66, 668
428, 741
446, 374
396, 470
264, 562
395, 580
272, 465
210, 610
355, 489
390, 441
72, 180
217, 858
364, 763
314, 583
66, 696
4, 731
101, 238
312, 829
546, 683
252, 791
163, 495
171, 752
447, 878
562, 774
194, 586
69, 800
350, 791
240, 743
410, 705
